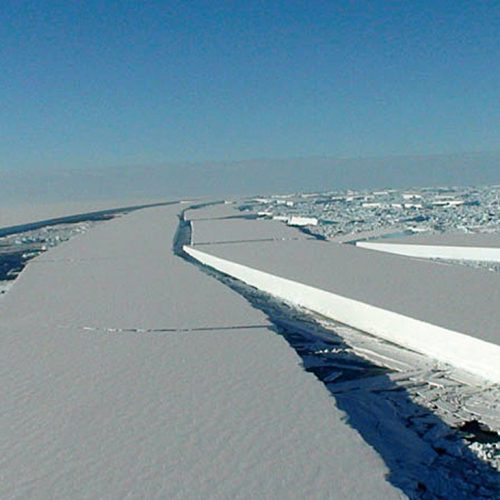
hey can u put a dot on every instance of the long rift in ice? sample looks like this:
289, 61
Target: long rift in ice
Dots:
433, 426
122, 409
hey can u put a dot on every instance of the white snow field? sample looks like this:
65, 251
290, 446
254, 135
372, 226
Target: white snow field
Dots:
447, 312
129, 373
13, 215
233, 231
217, 210
454, 239
480, 247
221, 223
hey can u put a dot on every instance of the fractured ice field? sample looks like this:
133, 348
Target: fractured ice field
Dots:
133, 368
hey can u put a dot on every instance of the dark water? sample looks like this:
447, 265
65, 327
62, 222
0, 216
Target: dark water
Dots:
11, 264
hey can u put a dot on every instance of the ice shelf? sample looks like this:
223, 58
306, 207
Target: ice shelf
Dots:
128, 372
480, 247
447, 312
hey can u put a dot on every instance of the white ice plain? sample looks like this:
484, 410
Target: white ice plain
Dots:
128, 373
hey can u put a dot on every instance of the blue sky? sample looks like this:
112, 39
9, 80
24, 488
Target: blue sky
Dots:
97, 84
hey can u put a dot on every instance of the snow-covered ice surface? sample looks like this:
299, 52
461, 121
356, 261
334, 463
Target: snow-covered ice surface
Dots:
446, 252
474, 264
13, 215
237, 230
457, 239
22, 243
476, 250
216, 210
17, 249
437, 427
449, 297
32, 231
129, 373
